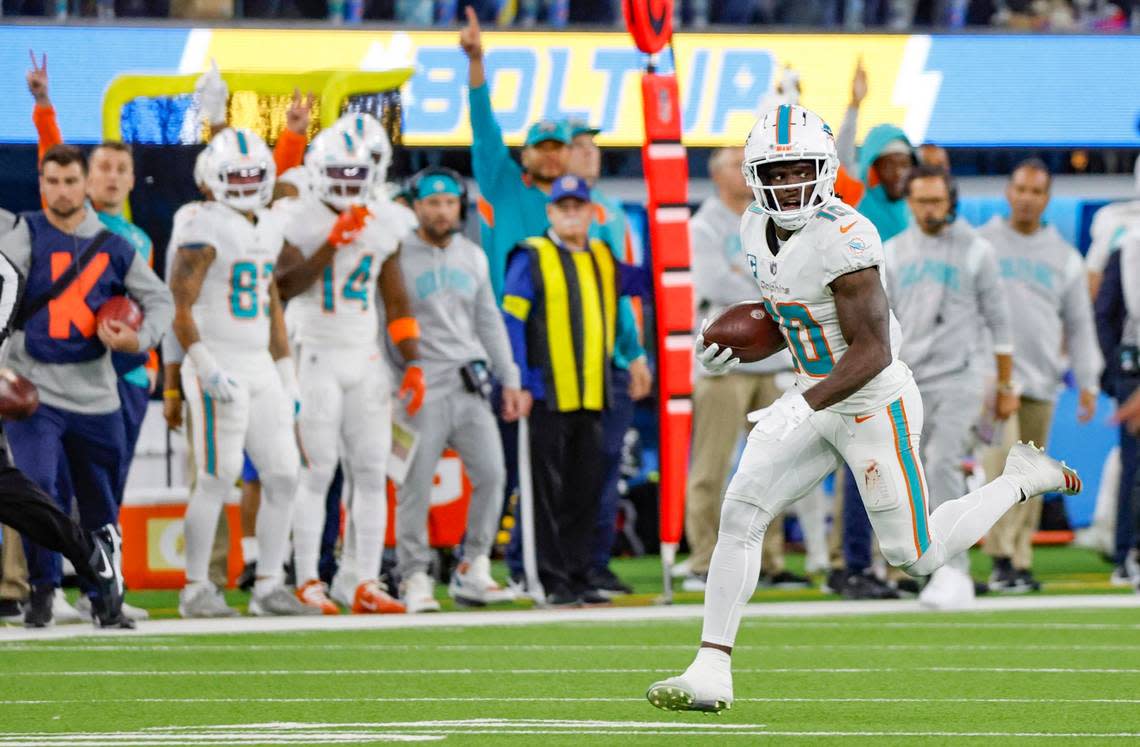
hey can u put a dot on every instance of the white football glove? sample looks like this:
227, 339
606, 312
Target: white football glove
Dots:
213, 94
216, 383
712, 357
782, 417
287, 372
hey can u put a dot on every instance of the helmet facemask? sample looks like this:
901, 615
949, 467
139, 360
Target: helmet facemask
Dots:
813, 193
344, 184
245, 187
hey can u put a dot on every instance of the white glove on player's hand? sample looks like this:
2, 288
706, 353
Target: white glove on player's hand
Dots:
713, 358
782, 417
216, 383
213, 94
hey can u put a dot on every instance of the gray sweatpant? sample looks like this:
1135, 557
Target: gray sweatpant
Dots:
952, 406
464, 422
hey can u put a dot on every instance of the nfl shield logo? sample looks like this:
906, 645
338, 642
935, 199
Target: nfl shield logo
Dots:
772, 267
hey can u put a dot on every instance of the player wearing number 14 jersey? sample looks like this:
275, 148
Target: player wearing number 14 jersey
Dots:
819, 267
237, 369
338, 261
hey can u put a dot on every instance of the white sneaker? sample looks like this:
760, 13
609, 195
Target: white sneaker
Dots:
471, 583
705, 686
680, 570
418, 594
280, 602
83, 606
62, 612
949, 589
1037, 473
695, 582
203, 600
343, 589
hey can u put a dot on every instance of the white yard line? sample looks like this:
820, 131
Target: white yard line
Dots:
517, 699
754, 612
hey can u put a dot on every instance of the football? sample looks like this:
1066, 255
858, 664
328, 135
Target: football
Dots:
120, 309
748, 329
18, 396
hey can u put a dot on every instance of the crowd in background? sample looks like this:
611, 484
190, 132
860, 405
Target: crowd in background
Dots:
895, 15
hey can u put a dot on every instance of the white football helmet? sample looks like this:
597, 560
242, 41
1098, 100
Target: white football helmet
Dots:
340, 164
791, 133
366, 127
237, 168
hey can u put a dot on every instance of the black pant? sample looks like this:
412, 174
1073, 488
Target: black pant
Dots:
567, 474
32, 513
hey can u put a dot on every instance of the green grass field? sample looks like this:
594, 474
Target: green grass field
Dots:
990, 677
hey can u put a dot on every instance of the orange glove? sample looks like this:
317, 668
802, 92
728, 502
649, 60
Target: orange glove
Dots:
413, 384
348, 225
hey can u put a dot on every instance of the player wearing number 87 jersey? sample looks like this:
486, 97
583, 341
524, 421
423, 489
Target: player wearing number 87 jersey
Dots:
339, 260
818, 266
228, 320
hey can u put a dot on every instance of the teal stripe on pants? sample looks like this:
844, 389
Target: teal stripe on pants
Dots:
910, 471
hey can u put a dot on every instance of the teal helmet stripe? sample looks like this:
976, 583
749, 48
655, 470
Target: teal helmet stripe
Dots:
784, 125
348, 141
243, 146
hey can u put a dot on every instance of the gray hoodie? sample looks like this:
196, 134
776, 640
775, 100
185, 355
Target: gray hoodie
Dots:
452, 300
946, 293
89, 387
1044, 279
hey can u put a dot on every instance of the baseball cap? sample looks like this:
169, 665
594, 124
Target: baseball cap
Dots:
435, 184
581, 127
570, 186
547, 129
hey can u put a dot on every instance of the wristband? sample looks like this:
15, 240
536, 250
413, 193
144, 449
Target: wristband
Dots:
172, 394
404, 328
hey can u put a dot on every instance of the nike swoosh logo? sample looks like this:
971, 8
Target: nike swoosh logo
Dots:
863, 418
107, 572
848, 227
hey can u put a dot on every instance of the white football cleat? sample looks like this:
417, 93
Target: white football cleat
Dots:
83, 606
343, 590
705, 686
471, 584
1037, 473
418, 594
949, 588
203, 601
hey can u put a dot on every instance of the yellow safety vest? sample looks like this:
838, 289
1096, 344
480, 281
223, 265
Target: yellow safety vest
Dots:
570, 324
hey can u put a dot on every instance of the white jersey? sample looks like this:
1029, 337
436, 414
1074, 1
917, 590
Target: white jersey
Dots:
300, 178
795, 285
339, 309
232, 310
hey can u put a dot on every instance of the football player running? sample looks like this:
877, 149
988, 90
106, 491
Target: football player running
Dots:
818, 265
237, 376
338, 260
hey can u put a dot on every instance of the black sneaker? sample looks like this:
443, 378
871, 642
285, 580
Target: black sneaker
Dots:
593, 597
835, 581
37, 614
1027, 581
867, 586
562, 598
247, 577
606, 583
1004, 577
981, 588
907, 587
107, 602
10, 611
786, 580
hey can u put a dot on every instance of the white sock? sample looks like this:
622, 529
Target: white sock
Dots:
201, 522
734, 569
249, 549
957, 525
308, 525
273, 520
711, 657
369, 522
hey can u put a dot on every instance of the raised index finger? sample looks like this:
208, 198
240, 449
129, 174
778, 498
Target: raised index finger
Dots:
472, 18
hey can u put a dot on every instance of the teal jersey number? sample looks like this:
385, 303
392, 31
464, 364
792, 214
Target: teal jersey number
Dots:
243, 289
355, 286
797, 323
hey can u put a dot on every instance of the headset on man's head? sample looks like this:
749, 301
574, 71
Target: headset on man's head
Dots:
430, 171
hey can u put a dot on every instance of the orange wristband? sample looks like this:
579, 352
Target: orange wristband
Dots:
404, 328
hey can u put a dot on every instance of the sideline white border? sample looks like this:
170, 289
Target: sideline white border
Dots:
683, 612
